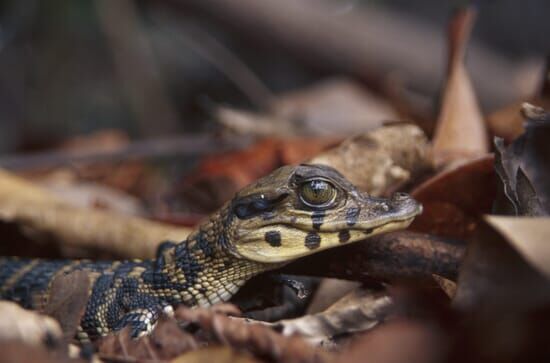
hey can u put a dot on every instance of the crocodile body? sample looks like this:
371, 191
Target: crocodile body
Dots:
294, 212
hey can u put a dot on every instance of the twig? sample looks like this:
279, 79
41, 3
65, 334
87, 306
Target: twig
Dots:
390, 257
179, 145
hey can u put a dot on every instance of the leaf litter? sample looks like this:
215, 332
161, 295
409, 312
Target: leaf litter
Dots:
469, 282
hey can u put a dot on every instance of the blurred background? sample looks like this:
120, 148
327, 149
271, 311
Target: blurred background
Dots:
159, 68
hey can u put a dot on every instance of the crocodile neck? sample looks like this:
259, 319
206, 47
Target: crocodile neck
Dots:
203, 269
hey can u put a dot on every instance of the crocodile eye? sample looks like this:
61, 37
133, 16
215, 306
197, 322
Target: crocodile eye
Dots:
317, 193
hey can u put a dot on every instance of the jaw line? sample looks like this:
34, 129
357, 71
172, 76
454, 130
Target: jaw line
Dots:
392, 226
377, 230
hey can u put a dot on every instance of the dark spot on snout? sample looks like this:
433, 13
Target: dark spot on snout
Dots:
351, 215
343, 236
313, 240
273, 238
317, 218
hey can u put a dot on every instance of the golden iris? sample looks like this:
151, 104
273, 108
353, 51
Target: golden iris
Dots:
317, 193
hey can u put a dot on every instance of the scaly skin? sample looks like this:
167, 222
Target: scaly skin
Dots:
270, 223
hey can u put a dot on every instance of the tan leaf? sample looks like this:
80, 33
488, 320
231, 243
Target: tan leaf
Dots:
328, 292
381, 160
37, 210
27, 326
460, 131
529, 236
360, 310
337, 106
448, 286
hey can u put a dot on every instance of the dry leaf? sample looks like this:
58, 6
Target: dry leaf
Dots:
382, 160
256, 339
359, 310
68, 298
453, 199
516, 195
27, 326
206, 327
167, 341
35, 209
17, 351
334, 107
529, 236
331, 107
93, 195
243, 122
523, 167
495, 276
328, 292
448, 286
460, 132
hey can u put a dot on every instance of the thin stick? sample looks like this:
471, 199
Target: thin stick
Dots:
179, 145
227, 62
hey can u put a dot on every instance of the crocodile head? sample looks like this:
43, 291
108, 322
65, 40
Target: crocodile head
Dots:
300, 210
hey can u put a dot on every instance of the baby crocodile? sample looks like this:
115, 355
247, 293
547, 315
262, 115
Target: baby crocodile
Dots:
295, 211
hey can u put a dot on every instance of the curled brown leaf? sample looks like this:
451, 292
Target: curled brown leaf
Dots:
68, 298
360, 310
254, 338
454, 199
